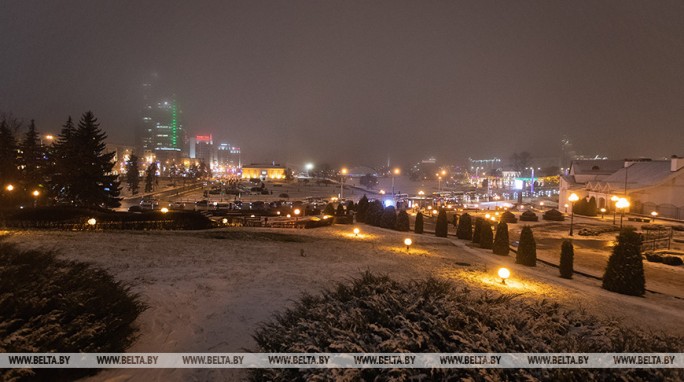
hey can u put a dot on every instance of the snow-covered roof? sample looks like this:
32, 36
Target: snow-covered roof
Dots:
639, 175
595, 167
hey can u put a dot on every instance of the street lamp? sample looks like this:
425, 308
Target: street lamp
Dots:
654, 214
343, 172
572, 198
614, 199
356, 232
9, 187
603, 213
297, 211
622, 204
395, 172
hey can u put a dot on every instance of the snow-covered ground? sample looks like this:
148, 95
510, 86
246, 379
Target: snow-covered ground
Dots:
208, 294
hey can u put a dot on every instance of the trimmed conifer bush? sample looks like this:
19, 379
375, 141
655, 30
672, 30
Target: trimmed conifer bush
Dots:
50, 305
375, 314
529, 216
441, 226
508, 217
340, 210
501, 241
362, 209
552, 215
418, 227
486, 235
389, 218
566, 259
476, 231
403, 221
527, 249
374, 213
625, 270
329, 209
465, 227
454, 221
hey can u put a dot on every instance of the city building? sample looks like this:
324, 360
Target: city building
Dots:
122, 153
263, 171
649, 185
160, 134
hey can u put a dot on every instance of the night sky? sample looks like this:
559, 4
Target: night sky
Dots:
349, 82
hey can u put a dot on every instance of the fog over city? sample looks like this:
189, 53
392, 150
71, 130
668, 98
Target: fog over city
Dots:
356, 82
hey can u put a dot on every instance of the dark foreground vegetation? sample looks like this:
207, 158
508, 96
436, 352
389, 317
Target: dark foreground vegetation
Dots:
379, 315
52, 305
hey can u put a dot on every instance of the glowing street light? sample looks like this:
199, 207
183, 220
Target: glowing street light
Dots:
603, 213
504, 273
654, 214
297, 211
164, 210
356, 232
91, 222
395, 172
407, 243
421, 193
572, 198
614, 199
622, 204
382, 192
9, 187
224, 221
343, 173
36, 193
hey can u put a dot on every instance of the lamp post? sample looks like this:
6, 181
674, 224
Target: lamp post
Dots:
603, 213
343, 172
297, 211
572, 198
622, 204
614, 199
395, 172
654, 214
35, 194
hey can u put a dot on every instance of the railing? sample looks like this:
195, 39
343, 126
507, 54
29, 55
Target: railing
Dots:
657, 239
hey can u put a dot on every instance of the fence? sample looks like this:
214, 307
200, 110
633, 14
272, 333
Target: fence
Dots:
657, 239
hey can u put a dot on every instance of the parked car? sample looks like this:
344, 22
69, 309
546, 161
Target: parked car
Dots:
149, 204
176, 206
204, 205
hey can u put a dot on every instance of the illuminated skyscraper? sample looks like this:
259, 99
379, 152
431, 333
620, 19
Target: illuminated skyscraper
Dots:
161, 131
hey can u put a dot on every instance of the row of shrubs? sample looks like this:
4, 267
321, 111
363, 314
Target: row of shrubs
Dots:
665, 259
73, 217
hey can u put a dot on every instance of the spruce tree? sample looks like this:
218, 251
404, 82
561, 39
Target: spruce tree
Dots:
465, 228
527, 249
340, 210
64, 168
389, 218
486, 235
9, 173
625, 271
442, 225
592, 208
403, 224
133, 174
32, 160
150, 177
95, 184
501, 241
362, 209
476, 231
566, 259
329, 209
418, 226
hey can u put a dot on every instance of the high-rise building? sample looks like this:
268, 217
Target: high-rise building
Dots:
161, 133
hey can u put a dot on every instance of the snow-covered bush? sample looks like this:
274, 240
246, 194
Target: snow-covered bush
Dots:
51, 305
625, 270
379, 315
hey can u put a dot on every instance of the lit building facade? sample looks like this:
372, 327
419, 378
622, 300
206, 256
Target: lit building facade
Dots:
263, 172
